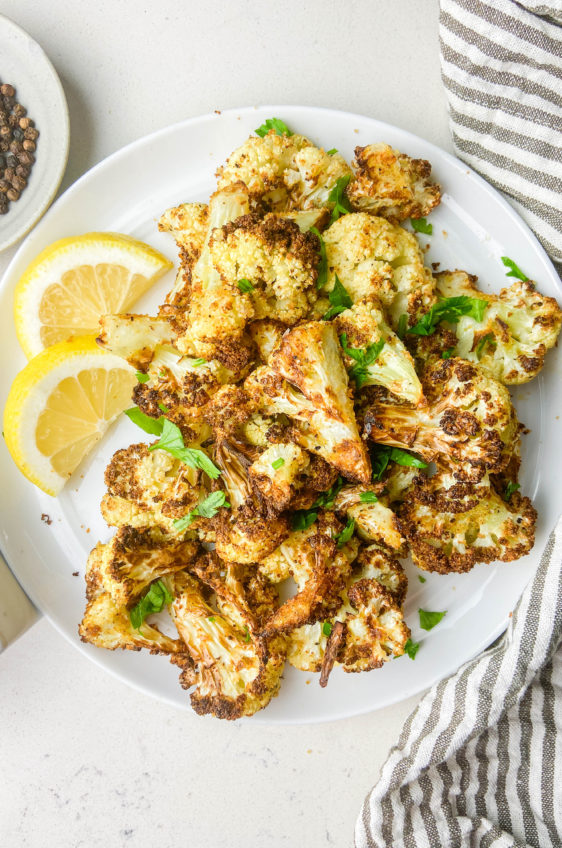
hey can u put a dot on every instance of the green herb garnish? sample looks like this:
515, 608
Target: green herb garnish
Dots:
514, 271
346, 533
332, 151
402, 326
428, 620
509, 490
171, 441
301, 519
383, 454
368, 497
247, 636
195, 363
490, 339
446, 354
278, 463
245, 285
338, 197
411, 648
421, 579
145, 422
420, 225
163, 408
363, 358
326, 628
276, 124
449, 309
327, 499
339, 298
208, 508
154, 601
142, 377
323, 264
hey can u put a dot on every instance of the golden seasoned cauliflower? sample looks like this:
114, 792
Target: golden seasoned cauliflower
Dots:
363, 326
518, 327
313, 175
390, 184
134, 558
374, 520
376, 260
188, 223
134, 337
450, 526
236, 672
107, 625
276, 474
266, 334
469, 419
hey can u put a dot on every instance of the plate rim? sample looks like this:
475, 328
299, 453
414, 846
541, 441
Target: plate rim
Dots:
491, 634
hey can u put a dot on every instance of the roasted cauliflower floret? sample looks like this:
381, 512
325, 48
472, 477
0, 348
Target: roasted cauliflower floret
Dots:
275, 475
266, 334
236, 672
134, 558
518, 327
313, 175
188, 223
107, 625
134, 337
376, 260
374, 520
277, 264
364, 325
390, 184
469, 419
450, 526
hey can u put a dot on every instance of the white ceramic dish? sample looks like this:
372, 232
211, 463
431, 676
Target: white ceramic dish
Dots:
472, 228
24, 65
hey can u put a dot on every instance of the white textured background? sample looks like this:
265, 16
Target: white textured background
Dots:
84, 761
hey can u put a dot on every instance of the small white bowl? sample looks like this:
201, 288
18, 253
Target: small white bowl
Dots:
24, 65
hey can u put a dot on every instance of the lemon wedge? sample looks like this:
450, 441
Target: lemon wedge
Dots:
60, 405
74, 281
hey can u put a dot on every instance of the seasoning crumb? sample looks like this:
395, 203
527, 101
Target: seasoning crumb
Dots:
435, 265
355, 131
511, 615
75, 573
307, 682
218, 112
309, 750
46, 518
445, 233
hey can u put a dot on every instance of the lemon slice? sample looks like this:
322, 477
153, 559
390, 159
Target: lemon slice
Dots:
74, 281
60, 405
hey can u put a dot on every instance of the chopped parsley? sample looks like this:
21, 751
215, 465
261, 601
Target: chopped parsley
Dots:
276, 124
490, 339
142, 377
383, 454
247, 636
449, 309
421, 579
195, 363
402, 326
514, 271
339, 299
332, 151
328, 498
411, 648
368, 497
428, 620
509, 490
208, 508
245, 285
346, 533
301, 519
363, 358
145, 422
446, 354
420, 225
163, 408
210, 618
154, 601
338, 197
278, 463
323, 264
171, 440
326, 628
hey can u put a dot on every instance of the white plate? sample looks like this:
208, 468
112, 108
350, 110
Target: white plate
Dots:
472, 228
24, 65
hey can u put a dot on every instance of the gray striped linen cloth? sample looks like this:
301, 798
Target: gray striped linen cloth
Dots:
479, 762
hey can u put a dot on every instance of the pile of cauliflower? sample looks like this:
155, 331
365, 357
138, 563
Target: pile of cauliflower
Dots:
323, 406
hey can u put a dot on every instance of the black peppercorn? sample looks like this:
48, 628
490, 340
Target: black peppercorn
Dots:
18, 138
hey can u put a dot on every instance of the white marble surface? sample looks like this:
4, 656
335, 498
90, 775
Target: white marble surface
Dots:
86, 761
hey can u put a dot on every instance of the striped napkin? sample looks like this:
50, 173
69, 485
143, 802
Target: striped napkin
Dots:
479, 762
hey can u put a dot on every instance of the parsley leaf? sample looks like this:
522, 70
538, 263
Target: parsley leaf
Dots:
421, 579
338, 197
163, 408
210, 618
195, 363
510, 489
363, 358
428, 620
208, 508
383, 454
420, 225
278, 463
446, 354
142, 377
346, 533
323, 264
402, 326
145, 422
332, 151
514, 271
411, 648
154, 601
245, 285
326, 628
402, 457
449, 309
490, 339
368, 497
246, 633
327, 499
303, 518
171, 440
276, 124
339, 298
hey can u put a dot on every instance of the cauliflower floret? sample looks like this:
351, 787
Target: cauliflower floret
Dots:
313, 175
374, 259
310, 358
134, 558
295, 556
469, 419
276, 473
450, 526
390, 184
107, 625
518, 327
374, 520
364, 325
237, 673
134, 337
188, 223
278, 263
267, 335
